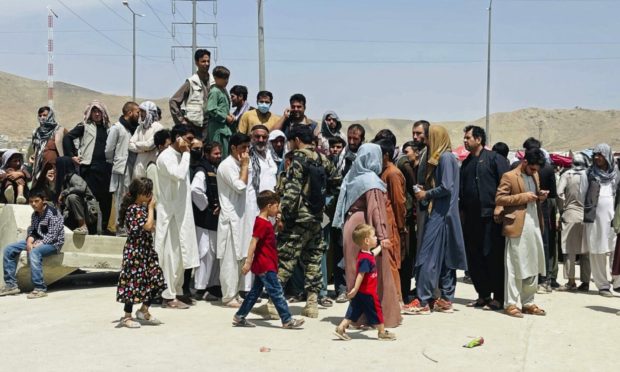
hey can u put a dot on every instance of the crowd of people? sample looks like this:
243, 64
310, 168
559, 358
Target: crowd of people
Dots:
235, 200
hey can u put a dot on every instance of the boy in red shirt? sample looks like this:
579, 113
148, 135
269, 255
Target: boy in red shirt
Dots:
262, 260
363, 296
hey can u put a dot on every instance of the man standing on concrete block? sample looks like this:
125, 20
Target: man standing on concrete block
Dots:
45, 236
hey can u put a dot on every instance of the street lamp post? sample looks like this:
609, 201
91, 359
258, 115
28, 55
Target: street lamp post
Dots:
134, 14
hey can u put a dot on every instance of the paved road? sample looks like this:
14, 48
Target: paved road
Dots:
75, 329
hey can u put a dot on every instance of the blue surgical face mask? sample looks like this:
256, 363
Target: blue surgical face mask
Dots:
263, 107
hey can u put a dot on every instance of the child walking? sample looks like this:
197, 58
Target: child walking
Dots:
363, 296
141, 279
262, 260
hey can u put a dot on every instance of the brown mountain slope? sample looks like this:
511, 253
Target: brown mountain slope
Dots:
560, 129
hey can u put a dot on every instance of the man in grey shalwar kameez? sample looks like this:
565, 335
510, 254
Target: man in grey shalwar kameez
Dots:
518, 201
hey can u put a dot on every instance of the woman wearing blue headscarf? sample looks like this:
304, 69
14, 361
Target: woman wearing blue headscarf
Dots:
362, 199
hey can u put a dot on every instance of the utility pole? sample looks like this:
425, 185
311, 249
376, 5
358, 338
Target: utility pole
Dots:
490, 9
133, 17
194, 24
261, 47
50, 56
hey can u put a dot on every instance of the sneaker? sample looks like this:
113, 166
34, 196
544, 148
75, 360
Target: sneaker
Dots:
544, 288
267, 311
605, 293
554, 284
293, 323
9, 195
82, 230
242, 322
414, 303
342, 298
9, 291
147, 318
467, 279
387, 336
584, 287
36, 294
443, 306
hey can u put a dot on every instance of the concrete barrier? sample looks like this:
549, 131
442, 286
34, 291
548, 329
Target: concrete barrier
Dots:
86, 252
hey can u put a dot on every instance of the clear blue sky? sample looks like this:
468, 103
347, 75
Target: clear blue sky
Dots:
364, 59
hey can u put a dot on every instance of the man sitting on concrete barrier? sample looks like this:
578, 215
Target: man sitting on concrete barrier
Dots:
45, 236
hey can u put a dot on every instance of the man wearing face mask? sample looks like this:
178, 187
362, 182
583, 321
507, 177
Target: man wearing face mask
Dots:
117, 153
261, 115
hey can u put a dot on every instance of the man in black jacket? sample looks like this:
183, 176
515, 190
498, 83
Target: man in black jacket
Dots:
481, 173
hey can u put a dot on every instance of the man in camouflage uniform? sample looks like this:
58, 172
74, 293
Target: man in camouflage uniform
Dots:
302, 236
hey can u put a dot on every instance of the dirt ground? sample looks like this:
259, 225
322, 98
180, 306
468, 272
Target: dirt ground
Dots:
75, 328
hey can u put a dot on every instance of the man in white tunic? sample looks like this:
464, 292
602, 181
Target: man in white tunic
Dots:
232, 180
262, 176
175, 238
572, 194
517, 202
598, 213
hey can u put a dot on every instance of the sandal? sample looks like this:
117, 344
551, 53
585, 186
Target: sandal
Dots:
533, 310
326, 302
513, 311
242, 322
293, 323
128, 322
493, 306
341, 333
146, 318
174, 304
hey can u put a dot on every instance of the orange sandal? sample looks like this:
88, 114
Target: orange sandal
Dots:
534, 310
513, 311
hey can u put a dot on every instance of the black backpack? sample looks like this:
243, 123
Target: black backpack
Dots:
313, 192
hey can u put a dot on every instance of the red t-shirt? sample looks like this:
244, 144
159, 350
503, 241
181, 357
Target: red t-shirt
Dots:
265, 254
367, 264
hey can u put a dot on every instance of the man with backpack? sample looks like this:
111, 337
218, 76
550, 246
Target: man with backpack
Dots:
310, 178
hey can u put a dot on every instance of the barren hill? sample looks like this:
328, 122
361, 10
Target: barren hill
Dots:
559, 129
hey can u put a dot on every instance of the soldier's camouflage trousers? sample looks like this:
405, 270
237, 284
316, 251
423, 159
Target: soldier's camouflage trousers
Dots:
305, 242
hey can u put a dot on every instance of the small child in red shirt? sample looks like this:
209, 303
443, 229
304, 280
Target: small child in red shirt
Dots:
262, 260
363, 296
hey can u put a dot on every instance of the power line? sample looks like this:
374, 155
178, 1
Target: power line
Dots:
93, 27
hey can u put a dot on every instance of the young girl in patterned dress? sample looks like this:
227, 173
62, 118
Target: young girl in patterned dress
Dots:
141, 278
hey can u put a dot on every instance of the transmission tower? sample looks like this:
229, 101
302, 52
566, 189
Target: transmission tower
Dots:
194, 25
50, 56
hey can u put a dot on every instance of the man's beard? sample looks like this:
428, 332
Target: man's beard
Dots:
260, 146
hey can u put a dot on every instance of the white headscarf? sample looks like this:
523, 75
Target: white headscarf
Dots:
151, 114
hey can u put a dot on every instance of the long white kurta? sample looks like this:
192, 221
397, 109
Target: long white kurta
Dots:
175, 238
232, 192
600, 236
525, 254
208, 273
